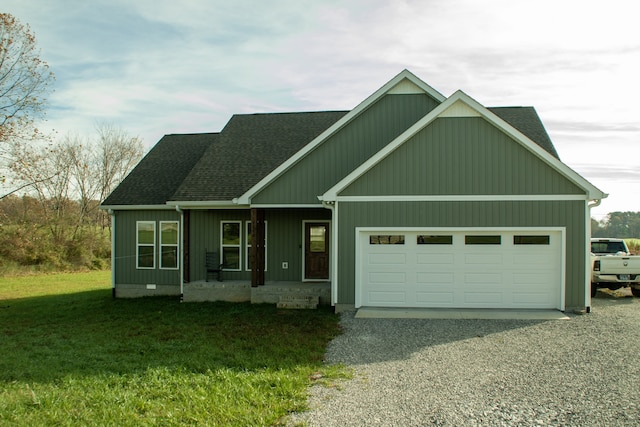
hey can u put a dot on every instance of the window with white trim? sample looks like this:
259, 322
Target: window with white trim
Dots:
231, 244
145, 244
248, 251
169, 236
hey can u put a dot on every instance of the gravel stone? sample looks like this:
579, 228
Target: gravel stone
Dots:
415, 372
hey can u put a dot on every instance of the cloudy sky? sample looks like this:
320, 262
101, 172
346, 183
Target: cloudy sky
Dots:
155, 67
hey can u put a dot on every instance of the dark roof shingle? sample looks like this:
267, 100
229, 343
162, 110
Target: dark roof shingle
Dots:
161, 171
527, 121
250, 147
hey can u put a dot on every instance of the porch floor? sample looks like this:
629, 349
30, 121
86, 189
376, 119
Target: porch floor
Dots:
241, 291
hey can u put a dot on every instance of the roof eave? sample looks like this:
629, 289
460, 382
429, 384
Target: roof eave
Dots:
207, 204
135, 207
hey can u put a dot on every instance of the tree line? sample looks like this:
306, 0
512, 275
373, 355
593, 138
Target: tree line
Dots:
55, 220
617, 224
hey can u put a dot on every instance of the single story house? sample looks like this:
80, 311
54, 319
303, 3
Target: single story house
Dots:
411, 199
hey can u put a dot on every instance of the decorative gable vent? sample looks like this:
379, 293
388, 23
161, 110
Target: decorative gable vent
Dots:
459, 109
405, 87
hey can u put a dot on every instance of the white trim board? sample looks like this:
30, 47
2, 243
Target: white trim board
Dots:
465, 198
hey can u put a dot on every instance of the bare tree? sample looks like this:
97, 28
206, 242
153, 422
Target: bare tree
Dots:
79, 170
25, 81
117, 154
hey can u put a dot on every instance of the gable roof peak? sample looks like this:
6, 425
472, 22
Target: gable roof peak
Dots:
407, 82
405, 77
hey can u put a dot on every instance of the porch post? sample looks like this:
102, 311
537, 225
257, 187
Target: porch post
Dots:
257, 247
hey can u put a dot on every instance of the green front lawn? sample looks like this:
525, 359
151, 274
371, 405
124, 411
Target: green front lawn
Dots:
71, 355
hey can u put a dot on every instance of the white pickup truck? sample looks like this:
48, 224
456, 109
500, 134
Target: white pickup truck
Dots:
613, 267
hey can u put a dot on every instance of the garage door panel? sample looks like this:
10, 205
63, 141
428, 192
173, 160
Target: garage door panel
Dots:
388, 297
534, 280
387, 277
533, 259
385, 258
433, 258
483, 279
444, 278
435, 298
532, 299
494, 299
493, 259
517, 273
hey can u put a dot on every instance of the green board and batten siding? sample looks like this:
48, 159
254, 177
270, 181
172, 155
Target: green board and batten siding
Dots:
284, 243
461, 156
284, 240
347, 149
127, 276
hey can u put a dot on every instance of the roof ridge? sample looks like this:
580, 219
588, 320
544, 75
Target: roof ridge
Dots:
290, 112
191, 133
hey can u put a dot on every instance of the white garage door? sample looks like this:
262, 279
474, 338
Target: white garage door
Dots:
460, 268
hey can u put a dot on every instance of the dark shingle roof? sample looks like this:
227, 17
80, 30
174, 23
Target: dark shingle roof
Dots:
250, 147
161, 171
222, 166
527, 121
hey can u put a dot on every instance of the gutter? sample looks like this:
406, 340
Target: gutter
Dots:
181, 250
595, 203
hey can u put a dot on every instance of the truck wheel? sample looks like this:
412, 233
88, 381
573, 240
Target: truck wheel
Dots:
635, 292
594, 290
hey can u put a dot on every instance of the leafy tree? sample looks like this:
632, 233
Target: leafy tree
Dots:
596, 228
617, 224
25, 82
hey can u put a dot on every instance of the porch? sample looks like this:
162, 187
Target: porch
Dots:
272, 292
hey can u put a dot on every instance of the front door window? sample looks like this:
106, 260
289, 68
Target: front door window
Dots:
316, 251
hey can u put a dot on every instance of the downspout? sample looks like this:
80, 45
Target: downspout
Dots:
587, 294
333, 207
181, 252
113, 253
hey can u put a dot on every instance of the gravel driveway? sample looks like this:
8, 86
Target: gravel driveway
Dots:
584, 371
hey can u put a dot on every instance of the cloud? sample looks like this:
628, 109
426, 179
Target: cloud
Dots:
156, 66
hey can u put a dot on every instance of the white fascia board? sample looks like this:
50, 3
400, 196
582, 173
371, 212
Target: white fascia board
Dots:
286, 206
466, 198
206, 204
136, 207
442, 111
405, 74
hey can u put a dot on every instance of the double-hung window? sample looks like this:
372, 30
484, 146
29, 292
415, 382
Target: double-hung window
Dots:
249, 240
169, 244
231, 245
145, 244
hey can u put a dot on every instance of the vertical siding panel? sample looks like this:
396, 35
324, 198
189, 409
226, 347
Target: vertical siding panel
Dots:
464, 156
347, 149
126, 269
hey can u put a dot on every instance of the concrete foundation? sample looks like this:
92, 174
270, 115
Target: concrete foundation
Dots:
150, 290
241, 291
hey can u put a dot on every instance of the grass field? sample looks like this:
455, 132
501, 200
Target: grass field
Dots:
71, 355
